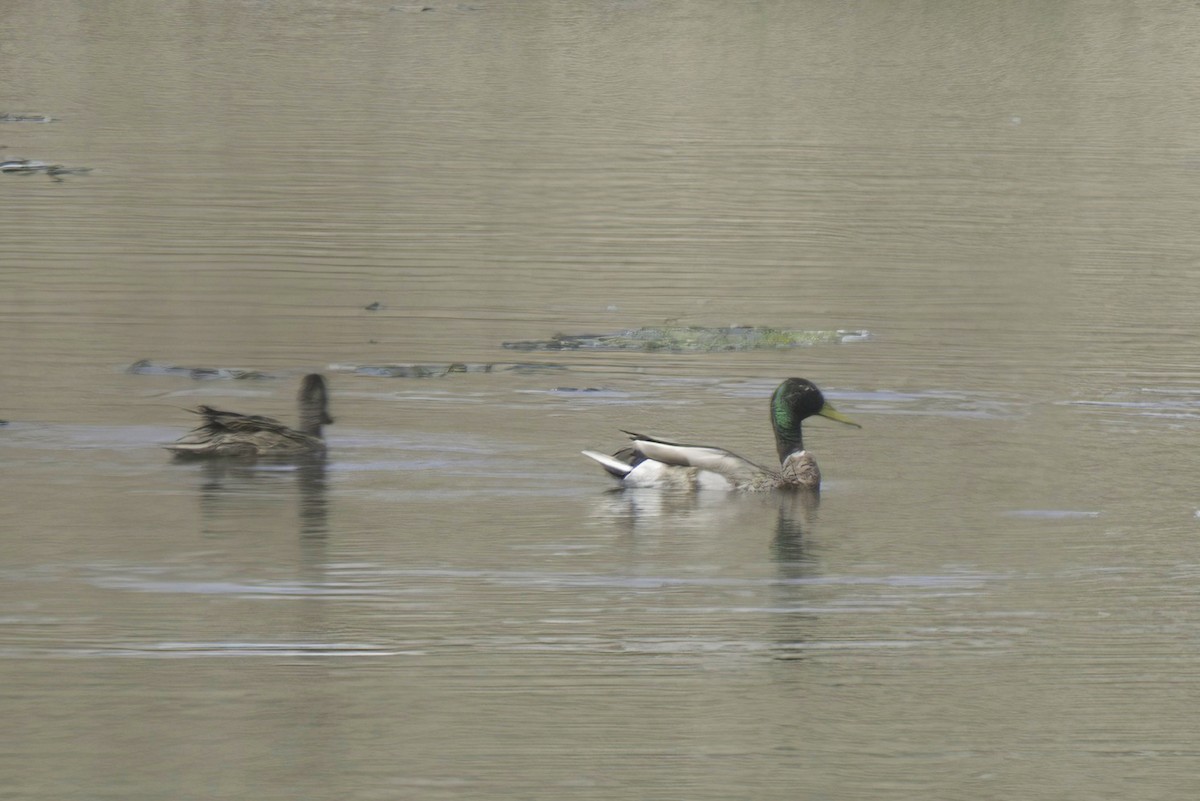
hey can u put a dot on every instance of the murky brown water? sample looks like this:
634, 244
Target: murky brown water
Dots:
996, 598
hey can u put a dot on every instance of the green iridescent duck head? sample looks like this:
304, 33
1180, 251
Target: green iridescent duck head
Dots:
795, 400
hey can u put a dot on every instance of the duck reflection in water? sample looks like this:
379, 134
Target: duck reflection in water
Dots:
797, 513
794, 618
791, 619
655, 512
229, 487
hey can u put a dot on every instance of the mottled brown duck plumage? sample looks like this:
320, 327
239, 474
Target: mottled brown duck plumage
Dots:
252, 436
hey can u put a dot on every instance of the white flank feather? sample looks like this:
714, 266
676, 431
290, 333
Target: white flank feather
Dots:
716, 460
610, 464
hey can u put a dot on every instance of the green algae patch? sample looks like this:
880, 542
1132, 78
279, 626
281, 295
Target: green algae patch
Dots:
691, 339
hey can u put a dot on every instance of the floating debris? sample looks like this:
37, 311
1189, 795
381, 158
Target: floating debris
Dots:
31, 166
437, 370
7, 116
692, 339
534, 367
419, 370
147, 367
1053, 514
418, 9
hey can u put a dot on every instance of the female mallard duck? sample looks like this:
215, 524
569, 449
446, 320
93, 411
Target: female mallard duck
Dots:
651, 462
247, 436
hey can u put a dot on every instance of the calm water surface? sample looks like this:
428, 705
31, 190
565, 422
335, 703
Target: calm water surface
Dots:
996, 596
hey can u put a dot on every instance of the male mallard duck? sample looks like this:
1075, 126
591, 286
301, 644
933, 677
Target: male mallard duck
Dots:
247, 436
651, 462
